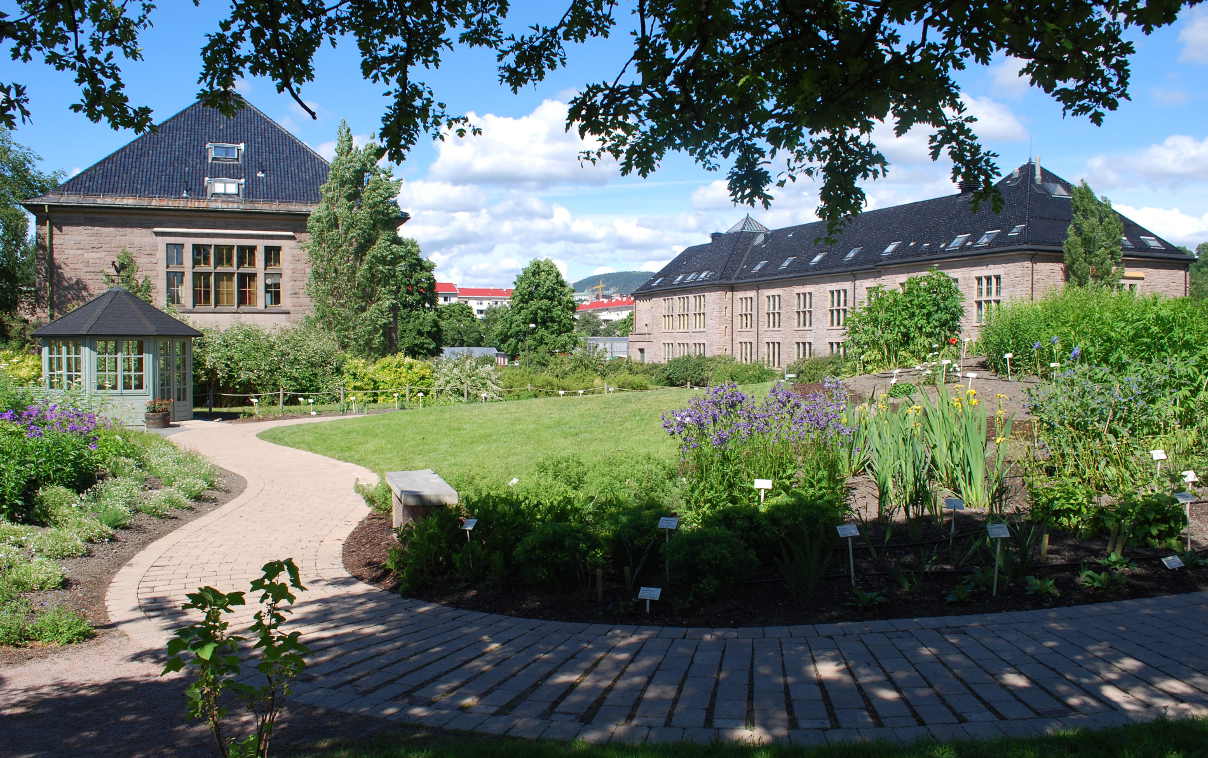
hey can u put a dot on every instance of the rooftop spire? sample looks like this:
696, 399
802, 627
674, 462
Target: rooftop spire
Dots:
747, 224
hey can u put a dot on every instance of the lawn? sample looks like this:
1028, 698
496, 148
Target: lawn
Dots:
1160, 739
495, 441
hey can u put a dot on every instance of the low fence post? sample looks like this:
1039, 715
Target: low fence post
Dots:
281, 398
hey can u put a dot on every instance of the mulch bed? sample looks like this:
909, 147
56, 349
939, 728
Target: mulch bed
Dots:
766, 603
89, 576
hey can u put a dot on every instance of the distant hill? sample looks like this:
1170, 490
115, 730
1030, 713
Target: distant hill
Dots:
622, 282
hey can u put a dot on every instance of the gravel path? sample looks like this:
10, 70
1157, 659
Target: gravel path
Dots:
380, 656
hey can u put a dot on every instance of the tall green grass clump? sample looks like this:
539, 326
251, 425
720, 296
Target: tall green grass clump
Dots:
1099, 326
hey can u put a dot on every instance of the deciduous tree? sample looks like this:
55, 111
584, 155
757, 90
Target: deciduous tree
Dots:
459, 325
125, 274
767, 91
20, 180
541, 317
1092, 242
371, 288
1199, 272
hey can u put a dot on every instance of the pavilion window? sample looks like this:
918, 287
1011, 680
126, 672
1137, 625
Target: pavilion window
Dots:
134, 365
64, 365
106, 365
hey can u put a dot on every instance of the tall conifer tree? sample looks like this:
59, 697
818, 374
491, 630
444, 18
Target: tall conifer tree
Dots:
371, 288
541, 317
1092, 243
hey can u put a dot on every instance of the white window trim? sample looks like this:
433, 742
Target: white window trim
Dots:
211, 180
239, 148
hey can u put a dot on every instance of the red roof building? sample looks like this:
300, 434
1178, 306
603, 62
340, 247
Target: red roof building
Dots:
478, 298
609, 310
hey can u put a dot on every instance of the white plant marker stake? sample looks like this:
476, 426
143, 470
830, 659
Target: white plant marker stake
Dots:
944, 368
849, 531
1186, 498
648, 594
1008, 357
1189, 477
997, 532
1158, 456
1054, 365
971, 376
763, 485
514, 482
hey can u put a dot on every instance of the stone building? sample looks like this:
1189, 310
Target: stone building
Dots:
774, 296
213, 209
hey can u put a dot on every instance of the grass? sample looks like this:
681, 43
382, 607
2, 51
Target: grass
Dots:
496, 441
1160, 739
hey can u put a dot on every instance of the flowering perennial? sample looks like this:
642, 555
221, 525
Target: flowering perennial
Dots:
37, 420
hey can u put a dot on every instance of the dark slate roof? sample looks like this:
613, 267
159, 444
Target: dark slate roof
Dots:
1036, 208
117, 313
173, 160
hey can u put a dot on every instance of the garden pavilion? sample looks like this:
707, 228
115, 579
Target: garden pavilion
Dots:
123, 351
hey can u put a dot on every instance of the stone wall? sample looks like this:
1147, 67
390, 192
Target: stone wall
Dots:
84, 241
780, 337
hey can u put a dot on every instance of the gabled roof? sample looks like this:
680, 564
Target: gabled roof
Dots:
620, 302
116, 312
483, 292
172, 162
446, 288
1035, 215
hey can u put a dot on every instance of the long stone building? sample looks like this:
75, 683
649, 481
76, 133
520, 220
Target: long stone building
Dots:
213, 209
773, 296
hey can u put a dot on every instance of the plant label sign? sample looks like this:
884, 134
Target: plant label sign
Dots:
513, 482
1184, 497
669, 522
469, 524
954, 504
848, 530
1172, 562
763, 484
650, 593
1189, 477
1008, 356
790, 376
997, 531
1158, 455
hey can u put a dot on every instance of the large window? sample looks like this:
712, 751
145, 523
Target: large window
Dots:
120, 366
174, 287
746, 352
174, 254
838, 307
224, 289
203, 288
245, 256
681, 314
247, 290
272, 256
225, 276
771, 354
805, 310
804, 350
64, 366
272, 290
172, 371
989, 295
773, 313
698, 312
746, 312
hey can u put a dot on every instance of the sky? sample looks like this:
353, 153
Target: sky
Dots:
482, 207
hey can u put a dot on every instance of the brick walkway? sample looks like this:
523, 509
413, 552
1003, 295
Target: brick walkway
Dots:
377, 654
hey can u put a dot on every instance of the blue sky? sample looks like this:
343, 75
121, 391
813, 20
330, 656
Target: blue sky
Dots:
482, 207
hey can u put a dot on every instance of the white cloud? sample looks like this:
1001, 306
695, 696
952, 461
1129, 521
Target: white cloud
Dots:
1172, 223
75, 171
243, 86
328, 149
1194, 36
603, 270
1176, 160
1164, 96
533, 151
1006, 78
995, 121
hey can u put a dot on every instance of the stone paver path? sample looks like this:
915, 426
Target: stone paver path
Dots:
375, 653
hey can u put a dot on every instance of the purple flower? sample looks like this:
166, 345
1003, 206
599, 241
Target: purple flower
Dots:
1053, 340
1036, 345
1077, 351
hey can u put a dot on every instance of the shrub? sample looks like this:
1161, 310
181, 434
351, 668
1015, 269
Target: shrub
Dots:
685, 370
707, 562
113, 517
814, 370
89, 528
895, 327
124, 493
55, 505
31, 575
1155, 519
1110, 328
467, 378
424, 555
162, 502
58, 625
1061, 503
21, 366
725, 369
554, 556
43, 445
16, 535
14, 615
191, 487
902, 389
629, 381
395, 372
59, 543
378, 496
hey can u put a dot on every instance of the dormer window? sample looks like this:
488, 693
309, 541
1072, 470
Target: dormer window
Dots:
224, 152
1125, 242
759, 265
224, 187
1152, 242
987, 238
891, 247
788, 261
958, 240
1016, 230
818, 257
852, 253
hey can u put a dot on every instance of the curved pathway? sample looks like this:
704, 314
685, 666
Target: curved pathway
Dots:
374, 653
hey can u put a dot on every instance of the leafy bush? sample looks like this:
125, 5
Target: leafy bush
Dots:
803, 521
31, 575
113, 516
704, 371
1104, 404
814, 370
58, 625
1109, 328
56, 505
629, 381
687, 370
423, 557
708, 562
902, 389
896, 327
43, 445
467, 377
1061, 503
161, 503
378, 496
555, 556
21, 366
1155, 519
59, 543
89, 528
191, 487
246, 359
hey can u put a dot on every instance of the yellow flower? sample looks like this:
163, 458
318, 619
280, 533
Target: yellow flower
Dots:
999, 440
972, 402
970, 392
1000, 396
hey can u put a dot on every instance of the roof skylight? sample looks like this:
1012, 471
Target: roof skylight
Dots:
1016, 230
1152, 242
958, 240
1125, 242
785, 263
987, 238
692, 277
817, 258
891, 247
852, 253
677, 279
758, 266
655, 283
925, 246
